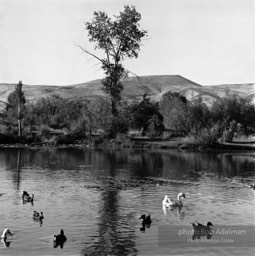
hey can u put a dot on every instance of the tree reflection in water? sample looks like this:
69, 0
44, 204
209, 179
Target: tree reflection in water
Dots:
115, 235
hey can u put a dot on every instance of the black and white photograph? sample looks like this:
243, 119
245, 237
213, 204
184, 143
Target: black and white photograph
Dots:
127, 127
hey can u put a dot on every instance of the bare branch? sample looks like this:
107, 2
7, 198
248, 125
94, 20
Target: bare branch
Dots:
133, 74
102, 61
89, 53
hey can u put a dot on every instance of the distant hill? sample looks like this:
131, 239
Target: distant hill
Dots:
135, 87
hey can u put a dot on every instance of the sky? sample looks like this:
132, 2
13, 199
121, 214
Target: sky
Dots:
207, 41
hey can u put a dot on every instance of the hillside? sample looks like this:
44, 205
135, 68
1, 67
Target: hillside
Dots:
135, 87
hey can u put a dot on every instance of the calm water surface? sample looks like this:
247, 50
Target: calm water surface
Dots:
106, 222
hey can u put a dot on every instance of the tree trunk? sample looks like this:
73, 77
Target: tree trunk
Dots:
114, 108
19, 118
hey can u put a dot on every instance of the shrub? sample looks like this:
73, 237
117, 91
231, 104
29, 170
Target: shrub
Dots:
209, 136
155, 127
96, 141
119, 125
78, 129
43, 131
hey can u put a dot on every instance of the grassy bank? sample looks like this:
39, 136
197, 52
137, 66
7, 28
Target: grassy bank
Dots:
189, 144
123, 141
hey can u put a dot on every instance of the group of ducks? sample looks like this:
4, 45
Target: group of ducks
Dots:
30, 199
199, 229
58, 240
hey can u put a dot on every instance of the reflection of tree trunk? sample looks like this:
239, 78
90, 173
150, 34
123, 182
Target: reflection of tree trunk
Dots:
18, 168
112, 240
109, 218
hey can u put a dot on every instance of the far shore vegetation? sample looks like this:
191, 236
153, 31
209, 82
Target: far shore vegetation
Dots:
173, 121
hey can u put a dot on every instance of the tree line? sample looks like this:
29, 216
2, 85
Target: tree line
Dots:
173, 115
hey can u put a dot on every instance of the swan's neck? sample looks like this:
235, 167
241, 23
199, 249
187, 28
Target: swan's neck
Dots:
179, 197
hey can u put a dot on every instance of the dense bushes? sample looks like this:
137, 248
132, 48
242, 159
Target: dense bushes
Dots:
56, 120
223, 120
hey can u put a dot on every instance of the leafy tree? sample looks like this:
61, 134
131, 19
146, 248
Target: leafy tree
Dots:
233, 108
229, 131
247, 111
226, 109
120, 124
98, 113
155, 126
173, 108
145, 114
198, 115
55, 112
119, 39
16, 105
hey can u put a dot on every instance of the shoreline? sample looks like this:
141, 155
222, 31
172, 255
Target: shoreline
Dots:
143, 144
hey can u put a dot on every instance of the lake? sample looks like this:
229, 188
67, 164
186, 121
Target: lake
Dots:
70, 187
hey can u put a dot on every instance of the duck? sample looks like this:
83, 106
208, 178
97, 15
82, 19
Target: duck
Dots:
6, 233
26, 197
146, 219
38, 216
202, 229
170, 202
59, 240
24, 193
29, 198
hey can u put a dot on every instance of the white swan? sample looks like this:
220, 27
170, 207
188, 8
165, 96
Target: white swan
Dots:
170, 202
6, 232
166, 202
